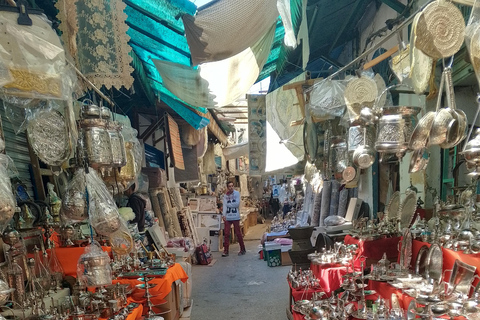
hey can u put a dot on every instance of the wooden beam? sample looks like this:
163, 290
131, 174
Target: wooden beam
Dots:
299, 86
231, 112
233, 107
158, 140
150, 130
241, 118
380, 58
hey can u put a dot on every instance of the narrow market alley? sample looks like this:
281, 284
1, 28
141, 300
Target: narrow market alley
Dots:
240, 287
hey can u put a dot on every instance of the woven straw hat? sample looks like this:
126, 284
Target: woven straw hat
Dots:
440, 30
360, 92
421, 64
474, 48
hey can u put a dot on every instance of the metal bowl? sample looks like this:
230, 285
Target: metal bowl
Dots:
420, 134
439, 309
364, 157
419, 160
442, 125
472, 149
91, 110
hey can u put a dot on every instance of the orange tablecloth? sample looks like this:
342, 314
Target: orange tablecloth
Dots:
68, 258
135, 315
162, 288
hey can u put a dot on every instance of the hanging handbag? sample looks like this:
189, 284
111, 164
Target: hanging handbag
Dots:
32, 58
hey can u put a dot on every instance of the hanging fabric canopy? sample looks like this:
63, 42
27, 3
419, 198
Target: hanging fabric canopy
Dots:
192, 117
282, 108
216, 84
227, 27
236, 151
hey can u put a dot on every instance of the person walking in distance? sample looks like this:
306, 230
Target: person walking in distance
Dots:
231, 215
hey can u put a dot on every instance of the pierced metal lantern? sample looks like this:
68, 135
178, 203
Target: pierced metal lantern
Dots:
117, 143
97, 142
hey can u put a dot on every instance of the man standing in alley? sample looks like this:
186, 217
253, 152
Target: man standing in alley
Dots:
231, 215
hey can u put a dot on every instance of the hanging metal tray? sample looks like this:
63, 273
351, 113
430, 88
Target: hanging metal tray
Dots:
434, 263
393, 207
421, 263
462, 277
407, 209
406, 249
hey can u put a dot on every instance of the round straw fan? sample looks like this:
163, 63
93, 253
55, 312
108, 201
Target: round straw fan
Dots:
440, 30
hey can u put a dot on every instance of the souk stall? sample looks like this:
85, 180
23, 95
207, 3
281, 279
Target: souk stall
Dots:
395, 260
77, 254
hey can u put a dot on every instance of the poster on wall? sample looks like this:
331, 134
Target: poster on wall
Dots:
276, 190
257, 133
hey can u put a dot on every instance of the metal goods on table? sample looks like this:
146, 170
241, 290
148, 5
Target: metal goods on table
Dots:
338, 156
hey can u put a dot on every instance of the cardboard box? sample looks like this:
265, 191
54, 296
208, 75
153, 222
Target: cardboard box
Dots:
172, 304
286, 261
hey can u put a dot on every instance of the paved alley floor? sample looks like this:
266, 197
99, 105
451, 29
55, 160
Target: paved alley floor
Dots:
240, 287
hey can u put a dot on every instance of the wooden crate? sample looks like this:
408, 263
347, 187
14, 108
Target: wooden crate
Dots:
286, 261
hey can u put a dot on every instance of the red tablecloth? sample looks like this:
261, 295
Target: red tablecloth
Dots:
449, 257
373, 250
302, 294
330, 277
385, 290
162, 288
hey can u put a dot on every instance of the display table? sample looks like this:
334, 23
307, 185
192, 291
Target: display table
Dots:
330, 276
56, 297
373, 250
385, 290
449, 257
300, 294
136, 314
162, 288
